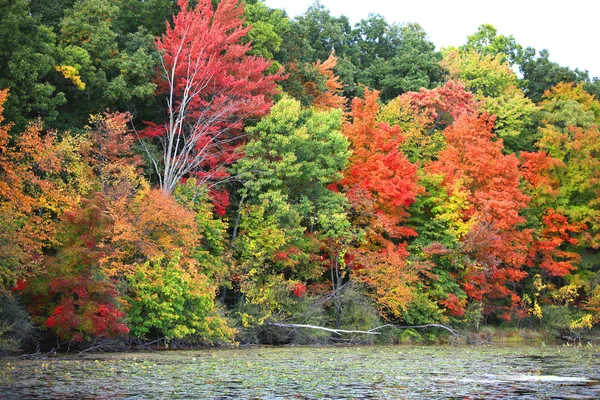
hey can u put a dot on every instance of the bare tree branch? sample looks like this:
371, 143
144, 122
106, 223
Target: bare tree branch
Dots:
373, 331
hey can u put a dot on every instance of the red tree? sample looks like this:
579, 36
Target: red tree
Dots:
378, 169
381, 184
444, 104
211, 85
495, 244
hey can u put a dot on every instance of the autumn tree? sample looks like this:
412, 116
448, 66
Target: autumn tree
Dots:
381, 184
495, 242
40, 177
327, 91
435, 214
496, 87
424, 114
569, 134
464, 204
72, 296
107, 251
210, 86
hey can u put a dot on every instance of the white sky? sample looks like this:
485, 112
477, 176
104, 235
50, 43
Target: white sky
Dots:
570, 30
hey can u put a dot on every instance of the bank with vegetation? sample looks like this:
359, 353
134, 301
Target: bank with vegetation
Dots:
219, 173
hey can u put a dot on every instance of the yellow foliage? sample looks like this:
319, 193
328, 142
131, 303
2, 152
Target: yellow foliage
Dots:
566, 294
538, 285
593, 305
453, 209
72, 74
536, 310
584, 322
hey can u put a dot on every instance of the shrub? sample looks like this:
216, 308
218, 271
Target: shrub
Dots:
173, 302
15, 324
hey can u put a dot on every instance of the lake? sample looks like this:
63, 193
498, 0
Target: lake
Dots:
312, 372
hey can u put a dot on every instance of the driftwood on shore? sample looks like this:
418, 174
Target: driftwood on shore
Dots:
374, 331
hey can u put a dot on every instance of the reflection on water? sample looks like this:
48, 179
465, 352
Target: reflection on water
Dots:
323, 372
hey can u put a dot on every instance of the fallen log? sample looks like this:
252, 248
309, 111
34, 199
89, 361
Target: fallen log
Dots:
369, 332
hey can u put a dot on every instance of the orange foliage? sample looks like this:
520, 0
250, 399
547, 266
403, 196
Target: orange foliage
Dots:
535, 168
444, 104
32, 195
378, 169
110, 142
328, 97
546, 250
147, 225
380, 184
454, 305
491, 177
387, 272
496, 245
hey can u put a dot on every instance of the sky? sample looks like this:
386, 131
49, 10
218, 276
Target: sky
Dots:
569, 30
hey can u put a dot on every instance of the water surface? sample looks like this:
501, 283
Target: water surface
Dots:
312, 372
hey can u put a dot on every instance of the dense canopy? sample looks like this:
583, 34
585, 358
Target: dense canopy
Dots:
190, 172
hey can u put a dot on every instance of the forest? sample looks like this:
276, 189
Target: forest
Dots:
197, 172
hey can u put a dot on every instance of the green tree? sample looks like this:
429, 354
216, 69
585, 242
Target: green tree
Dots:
487, 42
268, 27
541, 74
296, 152
407, 63
28, 57
107, 70
391, 58
171, 301
292, 157
151, 15
312, 37
50, 12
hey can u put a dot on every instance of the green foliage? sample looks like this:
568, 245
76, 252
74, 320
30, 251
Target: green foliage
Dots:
559, 318
259, 240
117, 70
15, 324
211, 250
487, 41
168, 300
50, 12
359, 312
412, 63
28, 56
151, 15
88, 25
496, 86
422, 310
293, 155
541, 74
388, 57
268, 27
314, 35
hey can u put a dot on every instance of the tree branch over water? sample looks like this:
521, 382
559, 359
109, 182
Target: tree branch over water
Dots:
373, 331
